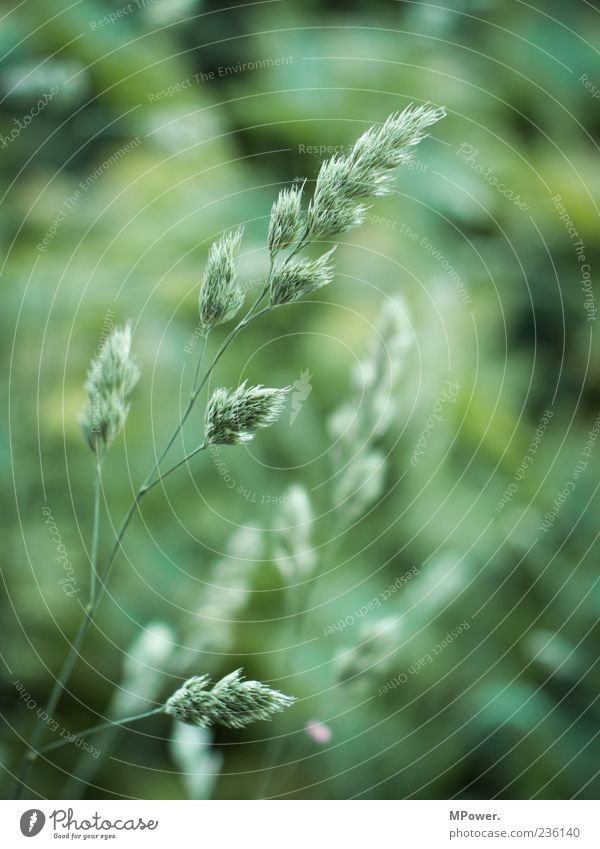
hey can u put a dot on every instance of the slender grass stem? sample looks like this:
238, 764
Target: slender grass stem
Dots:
196, 389
59, 684
148, 484
186, 412
186, 459
203, 342
73, 653
250, 316
111, 723
95, 534
334, 209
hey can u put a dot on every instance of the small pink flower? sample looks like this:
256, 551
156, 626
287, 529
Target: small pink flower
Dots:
319, 731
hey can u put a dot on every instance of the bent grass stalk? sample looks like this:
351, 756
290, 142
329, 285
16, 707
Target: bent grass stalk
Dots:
102, 726
96, 595
343, 182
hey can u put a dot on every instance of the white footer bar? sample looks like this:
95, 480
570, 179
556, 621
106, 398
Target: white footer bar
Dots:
290, 824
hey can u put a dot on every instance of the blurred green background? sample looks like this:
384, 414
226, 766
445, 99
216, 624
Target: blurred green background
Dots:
174, 121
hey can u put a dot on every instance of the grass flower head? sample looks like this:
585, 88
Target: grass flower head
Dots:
110, 380
232, 701
235, 416
220, 297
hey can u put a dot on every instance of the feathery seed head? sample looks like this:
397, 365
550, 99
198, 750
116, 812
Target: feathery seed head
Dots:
110, 380
220, 298
293, 280
286, 223
188, 702
334, 214
332, 210
354, 178
232, 701
391, 144
366, 170
234, 416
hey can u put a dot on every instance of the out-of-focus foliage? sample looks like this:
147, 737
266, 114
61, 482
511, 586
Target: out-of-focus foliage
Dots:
175, 122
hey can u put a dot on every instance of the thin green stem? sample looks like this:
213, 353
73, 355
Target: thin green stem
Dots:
185, 414
73, 654
112, 723
250, 316
196, 389
203, 342
95, 535
82, 773
55, 694
117, 544
148, 484
179, 463
304, 241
